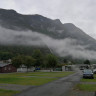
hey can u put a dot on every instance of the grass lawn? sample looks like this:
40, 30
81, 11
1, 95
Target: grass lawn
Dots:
38, 78
86, 87
7, 92
33, 78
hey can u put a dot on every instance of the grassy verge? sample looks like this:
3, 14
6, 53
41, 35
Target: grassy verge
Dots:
34, 78
26, 80
7, 92
86, 87
88, 80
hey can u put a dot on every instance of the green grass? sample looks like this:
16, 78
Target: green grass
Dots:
86, 87
7, 92
26, 80
88, 80
39, 79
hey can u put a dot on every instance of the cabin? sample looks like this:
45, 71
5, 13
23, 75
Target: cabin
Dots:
7, 68
23, 68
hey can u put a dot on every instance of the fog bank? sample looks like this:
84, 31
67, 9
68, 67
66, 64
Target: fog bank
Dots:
63, 47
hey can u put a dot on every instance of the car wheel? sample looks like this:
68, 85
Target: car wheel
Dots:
92, 77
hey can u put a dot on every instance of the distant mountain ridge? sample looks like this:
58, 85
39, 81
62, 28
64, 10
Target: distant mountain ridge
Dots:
10, 19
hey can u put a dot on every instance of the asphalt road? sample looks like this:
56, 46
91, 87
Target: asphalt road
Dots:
59, 87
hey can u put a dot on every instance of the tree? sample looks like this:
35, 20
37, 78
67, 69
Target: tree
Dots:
65, 61
37, 55
87, 62
17, 61
5, 55
29, 62
51, 61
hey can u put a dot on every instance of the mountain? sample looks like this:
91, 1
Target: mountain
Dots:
54, 29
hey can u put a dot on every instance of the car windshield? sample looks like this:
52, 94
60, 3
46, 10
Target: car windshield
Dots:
87, 71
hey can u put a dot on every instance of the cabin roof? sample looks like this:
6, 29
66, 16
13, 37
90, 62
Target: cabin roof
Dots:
3, 64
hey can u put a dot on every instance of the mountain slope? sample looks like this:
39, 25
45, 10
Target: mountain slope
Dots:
51, 29
13, 20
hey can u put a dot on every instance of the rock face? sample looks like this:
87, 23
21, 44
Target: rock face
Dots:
10, 19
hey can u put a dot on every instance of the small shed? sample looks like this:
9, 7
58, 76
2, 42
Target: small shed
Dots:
7, 68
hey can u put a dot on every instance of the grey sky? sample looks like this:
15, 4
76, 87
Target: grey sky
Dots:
80, 12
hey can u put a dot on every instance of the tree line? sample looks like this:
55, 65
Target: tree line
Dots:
36, 60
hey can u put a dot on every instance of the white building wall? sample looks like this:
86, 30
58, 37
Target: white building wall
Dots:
63, 68
25, 69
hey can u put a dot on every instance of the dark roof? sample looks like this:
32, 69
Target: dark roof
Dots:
3, 64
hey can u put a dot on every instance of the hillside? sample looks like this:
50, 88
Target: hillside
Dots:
62, 39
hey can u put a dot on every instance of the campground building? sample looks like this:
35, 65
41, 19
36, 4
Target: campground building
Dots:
7, 68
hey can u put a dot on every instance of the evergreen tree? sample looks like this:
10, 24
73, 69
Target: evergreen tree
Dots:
51, 61
37, 55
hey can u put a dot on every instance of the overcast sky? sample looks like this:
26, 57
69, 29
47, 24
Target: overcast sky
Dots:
80, 12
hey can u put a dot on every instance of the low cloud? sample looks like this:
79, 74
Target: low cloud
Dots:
63, 47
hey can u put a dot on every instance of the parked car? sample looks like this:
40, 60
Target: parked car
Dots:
94, 71
37, 68
88, 74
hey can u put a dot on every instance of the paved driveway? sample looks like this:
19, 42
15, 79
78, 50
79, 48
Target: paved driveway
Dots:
59, 87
